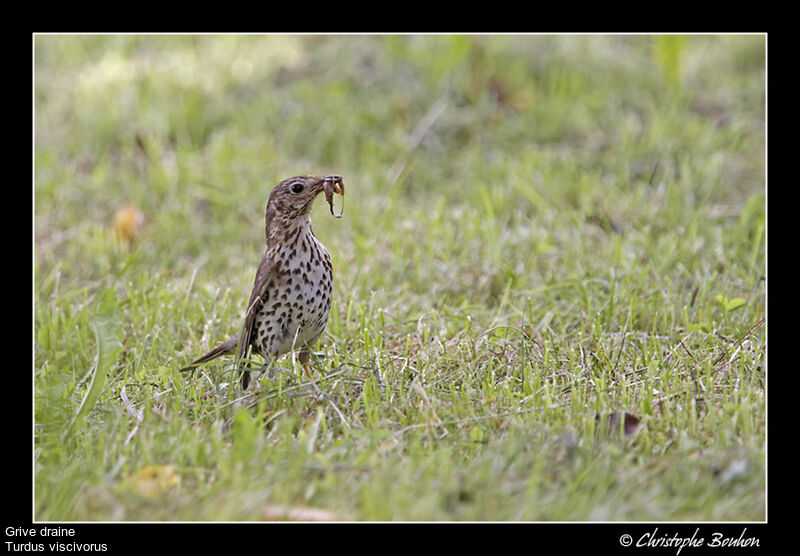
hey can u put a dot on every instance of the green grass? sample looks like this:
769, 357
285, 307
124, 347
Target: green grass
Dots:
537, 230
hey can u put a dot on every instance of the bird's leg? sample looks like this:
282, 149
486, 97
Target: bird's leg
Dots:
303, 356
245, 375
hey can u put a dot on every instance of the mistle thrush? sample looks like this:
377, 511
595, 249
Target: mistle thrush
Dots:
291, 298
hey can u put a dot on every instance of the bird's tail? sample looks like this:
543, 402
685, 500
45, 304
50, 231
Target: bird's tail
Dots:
225, 347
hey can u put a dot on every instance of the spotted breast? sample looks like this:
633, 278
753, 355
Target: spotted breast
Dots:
297, 298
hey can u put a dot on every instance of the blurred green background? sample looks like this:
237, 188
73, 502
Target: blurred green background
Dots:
600, 195
196, 130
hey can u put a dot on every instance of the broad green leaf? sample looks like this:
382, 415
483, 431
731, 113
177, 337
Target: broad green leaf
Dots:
669, 52
43, 336
245, 432
735, 303
729, 304
107, 327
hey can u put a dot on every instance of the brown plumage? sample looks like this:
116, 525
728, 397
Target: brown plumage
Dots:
291, 297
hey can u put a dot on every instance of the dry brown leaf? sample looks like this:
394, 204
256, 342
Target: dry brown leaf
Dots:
277, 512
153, 480
610, 424
128, 221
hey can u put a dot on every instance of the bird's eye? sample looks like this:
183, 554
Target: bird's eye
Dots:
297, 187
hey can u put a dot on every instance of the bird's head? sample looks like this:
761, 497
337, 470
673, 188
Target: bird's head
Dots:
290, 201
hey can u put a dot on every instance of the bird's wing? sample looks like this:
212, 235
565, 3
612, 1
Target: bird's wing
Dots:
267, 269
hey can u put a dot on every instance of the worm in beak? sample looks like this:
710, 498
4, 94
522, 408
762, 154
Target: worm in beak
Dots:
331, 185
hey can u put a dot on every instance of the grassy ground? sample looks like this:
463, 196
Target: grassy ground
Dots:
537, 230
